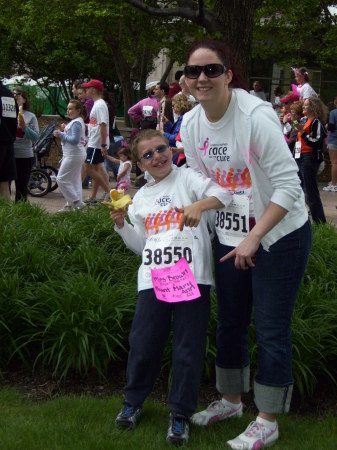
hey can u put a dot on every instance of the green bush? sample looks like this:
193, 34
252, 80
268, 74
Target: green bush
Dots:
68, 289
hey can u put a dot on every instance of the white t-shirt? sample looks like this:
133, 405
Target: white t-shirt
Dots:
154, 219
259, 94
306, 91
223, 162
98, 115
122, 164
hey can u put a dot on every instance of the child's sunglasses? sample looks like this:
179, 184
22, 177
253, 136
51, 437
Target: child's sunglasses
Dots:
149, 154
210, 70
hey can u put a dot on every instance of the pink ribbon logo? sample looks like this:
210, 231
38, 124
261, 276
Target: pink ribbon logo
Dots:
205, 147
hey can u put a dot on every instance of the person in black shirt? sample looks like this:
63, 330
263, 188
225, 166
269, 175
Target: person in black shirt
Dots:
8, 124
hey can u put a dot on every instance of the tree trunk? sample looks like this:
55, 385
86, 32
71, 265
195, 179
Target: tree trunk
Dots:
237, 18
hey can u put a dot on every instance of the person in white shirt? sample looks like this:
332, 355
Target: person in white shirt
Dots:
304, 90
257, 91
98, 140
69, 178
162, 230
263, 239
124, 170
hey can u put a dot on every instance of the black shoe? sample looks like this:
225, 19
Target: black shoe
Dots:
178, 430
129, 416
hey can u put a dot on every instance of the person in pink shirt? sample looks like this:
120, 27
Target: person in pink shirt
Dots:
145, 111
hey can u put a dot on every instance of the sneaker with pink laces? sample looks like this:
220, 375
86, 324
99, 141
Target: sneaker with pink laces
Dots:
255, 437
214, 412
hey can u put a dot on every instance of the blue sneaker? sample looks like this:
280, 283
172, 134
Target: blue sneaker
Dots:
128, 417
178, 430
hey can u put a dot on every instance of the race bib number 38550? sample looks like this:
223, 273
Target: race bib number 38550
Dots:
166, 249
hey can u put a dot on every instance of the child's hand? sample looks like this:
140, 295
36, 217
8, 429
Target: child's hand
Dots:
191, 215
63, 125
118, 217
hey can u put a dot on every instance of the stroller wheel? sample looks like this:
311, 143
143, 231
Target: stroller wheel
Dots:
39, 183
52, 172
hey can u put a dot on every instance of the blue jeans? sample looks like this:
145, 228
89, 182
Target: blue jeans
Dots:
112, 151
308, 168
149, 333
271, 287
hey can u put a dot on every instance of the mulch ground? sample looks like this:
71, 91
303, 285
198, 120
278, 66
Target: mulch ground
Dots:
41, 386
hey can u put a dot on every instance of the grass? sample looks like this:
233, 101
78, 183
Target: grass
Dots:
88, 423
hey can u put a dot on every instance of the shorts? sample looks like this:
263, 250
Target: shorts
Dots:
94, 156
332, 147
7, 162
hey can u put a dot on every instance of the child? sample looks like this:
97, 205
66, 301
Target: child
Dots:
162, 225
124, 170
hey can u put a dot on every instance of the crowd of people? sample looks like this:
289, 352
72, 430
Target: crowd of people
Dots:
222, 162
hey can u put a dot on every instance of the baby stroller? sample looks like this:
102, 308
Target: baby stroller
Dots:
42, 176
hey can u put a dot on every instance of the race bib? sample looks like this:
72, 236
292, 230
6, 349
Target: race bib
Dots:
8, 107
166, 249
232, 223
297, 150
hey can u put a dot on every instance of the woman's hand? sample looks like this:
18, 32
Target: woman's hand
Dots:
164, 120
118, 217
244, 253
299, 127
286, 118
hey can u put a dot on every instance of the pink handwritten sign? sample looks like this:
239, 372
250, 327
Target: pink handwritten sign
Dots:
175, 283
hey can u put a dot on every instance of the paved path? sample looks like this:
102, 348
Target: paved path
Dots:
54, 201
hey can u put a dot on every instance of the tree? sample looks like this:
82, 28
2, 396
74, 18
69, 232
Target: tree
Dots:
296, 33
230, 20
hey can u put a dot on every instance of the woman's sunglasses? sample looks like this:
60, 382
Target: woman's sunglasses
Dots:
149, 154
210, 70
17, 94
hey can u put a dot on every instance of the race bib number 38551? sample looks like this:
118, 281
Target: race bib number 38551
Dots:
232, 223
166, 249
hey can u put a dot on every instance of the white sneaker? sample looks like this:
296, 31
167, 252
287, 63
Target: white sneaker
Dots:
330, 187
214, 412
66, 208
255, 437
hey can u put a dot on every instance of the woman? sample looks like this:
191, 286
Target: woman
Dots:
26, 133
332, 148
310, 140
181, 105
73, 148
235, 138
296, 116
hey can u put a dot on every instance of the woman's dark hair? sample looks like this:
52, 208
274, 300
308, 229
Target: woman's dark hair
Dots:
303, 71
225, 55
78, 83
26, 104
80, 106
109, 99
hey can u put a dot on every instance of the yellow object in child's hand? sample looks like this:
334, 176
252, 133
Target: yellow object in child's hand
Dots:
118, 200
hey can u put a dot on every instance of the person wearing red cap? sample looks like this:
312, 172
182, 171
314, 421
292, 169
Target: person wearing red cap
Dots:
98, 143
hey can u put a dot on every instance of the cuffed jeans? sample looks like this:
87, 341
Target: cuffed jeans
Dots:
271, 287
149, 333
308, 169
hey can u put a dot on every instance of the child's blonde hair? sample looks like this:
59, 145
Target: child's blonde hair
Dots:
144, 135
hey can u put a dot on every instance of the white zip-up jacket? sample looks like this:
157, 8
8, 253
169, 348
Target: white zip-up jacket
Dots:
262, 146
